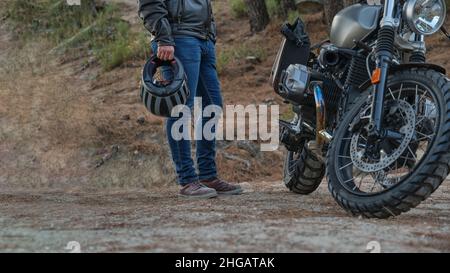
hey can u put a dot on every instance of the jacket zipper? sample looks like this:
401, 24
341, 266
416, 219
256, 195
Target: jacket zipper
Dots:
181, 11
209, 20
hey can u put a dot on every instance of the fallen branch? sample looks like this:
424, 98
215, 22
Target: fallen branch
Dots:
237, 158
250, 147
109, 155
57, 4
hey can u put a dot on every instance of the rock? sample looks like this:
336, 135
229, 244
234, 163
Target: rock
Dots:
114, 150
250, 147
269, 101
247, 187
141, 120
223, 145
247, 164
253, 60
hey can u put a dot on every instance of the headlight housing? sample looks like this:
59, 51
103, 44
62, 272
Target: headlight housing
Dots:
425, 17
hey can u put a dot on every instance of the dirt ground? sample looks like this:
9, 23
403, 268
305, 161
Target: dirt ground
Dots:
266, 218
59, 117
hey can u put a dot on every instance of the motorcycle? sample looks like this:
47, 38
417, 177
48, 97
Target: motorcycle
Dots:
370, 112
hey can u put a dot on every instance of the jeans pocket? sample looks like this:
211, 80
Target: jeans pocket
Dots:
188, 49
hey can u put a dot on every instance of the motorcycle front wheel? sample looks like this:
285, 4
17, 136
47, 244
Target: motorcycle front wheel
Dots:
406, 170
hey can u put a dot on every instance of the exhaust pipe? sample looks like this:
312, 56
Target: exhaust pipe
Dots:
322, 136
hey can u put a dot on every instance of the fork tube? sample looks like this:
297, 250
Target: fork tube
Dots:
384, 55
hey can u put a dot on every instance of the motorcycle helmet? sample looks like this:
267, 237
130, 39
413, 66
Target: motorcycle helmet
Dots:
163, 86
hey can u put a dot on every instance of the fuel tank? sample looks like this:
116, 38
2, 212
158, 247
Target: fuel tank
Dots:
353, 24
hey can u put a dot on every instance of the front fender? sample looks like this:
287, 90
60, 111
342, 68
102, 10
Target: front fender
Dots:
434, 67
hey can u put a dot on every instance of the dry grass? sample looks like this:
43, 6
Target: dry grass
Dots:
60, 115
100, 32
55, 127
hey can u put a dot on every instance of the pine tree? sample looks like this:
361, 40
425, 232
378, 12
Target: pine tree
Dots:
257, 12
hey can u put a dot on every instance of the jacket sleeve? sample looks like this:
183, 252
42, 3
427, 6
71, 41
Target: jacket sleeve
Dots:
154, 13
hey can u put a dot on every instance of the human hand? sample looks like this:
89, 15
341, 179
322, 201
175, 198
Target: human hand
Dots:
166, 53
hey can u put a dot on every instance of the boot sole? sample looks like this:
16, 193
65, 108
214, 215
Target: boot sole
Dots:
202, 197
234, 192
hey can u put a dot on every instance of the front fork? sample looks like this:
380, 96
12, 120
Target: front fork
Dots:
384, 57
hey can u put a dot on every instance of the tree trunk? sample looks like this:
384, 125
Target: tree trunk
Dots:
257, 12
89, 6
286, 6
331, 7
350, 2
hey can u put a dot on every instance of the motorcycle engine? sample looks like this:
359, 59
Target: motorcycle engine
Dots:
294, 85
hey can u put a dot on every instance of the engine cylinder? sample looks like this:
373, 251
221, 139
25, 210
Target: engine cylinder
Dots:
357, 74
294, 83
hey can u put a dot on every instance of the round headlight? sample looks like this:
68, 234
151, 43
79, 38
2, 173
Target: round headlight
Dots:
425, 17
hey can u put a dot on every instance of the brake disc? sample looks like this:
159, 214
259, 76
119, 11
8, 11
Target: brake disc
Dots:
407, 130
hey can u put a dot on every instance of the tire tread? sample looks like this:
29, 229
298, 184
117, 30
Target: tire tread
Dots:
308, 174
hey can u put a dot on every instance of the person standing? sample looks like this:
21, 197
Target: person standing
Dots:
186, 29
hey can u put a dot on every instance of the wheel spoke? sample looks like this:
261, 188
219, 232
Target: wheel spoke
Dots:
392, 94
348, 181
406, 158
362, 179
346, 166
412, 153
400, 92
422, 118
416, 101
425, 136
375, 183
423, 96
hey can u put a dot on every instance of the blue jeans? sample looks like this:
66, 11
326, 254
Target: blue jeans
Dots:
199, 61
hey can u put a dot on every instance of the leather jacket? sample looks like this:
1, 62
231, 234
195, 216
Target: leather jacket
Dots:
166, 19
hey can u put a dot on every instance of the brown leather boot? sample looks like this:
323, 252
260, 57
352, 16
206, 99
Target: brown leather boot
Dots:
223, 187
197, 190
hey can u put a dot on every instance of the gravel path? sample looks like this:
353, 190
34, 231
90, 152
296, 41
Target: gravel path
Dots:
266, 219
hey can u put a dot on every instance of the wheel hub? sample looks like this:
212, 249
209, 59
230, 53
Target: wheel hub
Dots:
406, 111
